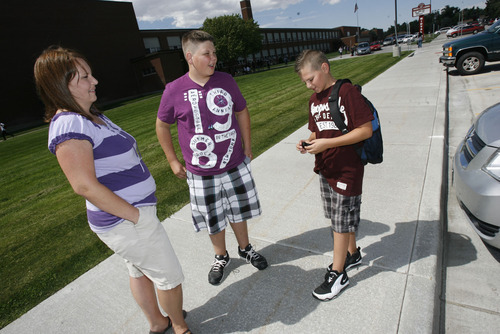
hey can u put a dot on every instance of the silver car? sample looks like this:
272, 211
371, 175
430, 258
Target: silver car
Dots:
476, 175
363, 48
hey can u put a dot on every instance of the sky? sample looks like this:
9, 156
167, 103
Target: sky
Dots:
177, 14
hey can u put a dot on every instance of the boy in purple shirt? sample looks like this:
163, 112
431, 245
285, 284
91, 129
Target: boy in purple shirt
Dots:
213, 126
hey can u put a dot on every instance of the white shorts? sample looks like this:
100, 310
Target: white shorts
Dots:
146, 249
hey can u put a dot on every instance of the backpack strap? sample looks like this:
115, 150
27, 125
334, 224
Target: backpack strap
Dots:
333, 103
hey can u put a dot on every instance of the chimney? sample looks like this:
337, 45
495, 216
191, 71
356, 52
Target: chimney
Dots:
246, 10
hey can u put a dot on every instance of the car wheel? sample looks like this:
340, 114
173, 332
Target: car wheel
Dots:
470, 63
475, 32
454, 35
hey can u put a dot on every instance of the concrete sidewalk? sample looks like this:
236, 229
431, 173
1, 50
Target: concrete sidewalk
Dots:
395, 290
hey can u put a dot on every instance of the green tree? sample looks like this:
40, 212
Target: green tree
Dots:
492, 8
234, 37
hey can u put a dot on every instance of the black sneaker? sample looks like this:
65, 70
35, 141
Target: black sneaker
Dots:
351, 260
251, 256
332, 286
217, 271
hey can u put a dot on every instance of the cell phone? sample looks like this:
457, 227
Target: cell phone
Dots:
304, 144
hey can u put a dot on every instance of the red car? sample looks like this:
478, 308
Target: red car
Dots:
468, 29
374, 46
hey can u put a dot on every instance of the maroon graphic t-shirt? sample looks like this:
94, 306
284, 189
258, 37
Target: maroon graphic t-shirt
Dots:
340, 165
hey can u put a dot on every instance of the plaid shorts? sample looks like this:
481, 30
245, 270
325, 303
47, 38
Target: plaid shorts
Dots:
343, 211
216, 199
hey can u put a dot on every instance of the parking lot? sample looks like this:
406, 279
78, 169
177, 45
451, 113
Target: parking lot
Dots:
471, 294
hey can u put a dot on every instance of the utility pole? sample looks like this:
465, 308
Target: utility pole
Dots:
396, 50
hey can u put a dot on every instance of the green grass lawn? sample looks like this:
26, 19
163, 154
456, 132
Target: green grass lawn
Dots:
45, 241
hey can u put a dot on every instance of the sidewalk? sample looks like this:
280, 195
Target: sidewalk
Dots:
395, 290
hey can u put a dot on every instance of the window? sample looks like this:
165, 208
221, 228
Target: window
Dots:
152, 44
270, 37
148, 71
174, 42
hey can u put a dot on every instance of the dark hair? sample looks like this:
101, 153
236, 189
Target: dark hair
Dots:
53, 70
313, 57
195, 37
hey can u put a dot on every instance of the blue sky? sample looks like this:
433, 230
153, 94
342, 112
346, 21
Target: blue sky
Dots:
172, 14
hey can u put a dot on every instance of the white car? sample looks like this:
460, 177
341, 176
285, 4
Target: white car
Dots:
408, 39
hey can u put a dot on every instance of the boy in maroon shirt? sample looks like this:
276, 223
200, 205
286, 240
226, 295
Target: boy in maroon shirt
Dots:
339, 166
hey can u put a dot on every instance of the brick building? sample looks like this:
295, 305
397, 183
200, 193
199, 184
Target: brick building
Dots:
126, 61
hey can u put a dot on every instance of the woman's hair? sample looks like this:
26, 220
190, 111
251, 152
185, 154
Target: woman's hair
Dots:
193, 38
54, 69
314, 58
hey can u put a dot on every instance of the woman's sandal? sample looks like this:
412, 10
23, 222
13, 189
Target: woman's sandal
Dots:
184, 313
188, 331
166, 329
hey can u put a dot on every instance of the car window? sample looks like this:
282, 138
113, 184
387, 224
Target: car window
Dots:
495, 27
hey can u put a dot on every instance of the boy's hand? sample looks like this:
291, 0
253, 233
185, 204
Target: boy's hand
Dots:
178, 169
301, 146
317, 146
248, 153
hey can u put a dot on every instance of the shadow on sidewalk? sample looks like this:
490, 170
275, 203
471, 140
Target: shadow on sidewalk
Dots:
282, 292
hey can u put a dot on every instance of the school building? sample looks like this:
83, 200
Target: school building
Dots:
128, 62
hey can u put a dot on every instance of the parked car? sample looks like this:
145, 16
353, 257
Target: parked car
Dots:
363, 48
443, 30
457, 27
476, 175
469, 54
388, 41
400, 39
408, 39
374, 46
468, 29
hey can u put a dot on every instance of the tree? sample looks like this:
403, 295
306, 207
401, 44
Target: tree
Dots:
234, 37
492, 8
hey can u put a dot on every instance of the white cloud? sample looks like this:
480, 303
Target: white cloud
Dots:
330, 2
192, 13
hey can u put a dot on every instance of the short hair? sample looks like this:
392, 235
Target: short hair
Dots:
195, 37
314, 58
53, 70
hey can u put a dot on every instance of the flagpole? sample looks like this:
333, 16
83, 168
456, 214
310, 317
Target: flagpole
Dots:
357, 22
357, 19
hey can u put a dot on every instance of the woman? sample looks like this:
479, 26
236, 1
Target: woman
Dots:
102, 164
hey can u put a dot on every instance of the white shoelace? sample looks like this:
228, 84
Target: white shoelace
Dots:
218, 264
251, 254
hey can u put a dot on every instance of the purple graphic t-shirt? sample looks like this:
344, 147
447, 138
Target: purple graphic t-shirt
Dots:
209, 135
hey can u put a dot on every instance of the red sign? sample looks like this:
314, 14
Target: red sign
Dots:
421, 25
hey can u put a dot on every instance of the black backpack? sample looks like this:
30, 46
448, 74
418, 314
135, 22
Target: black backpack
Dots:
373, 148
